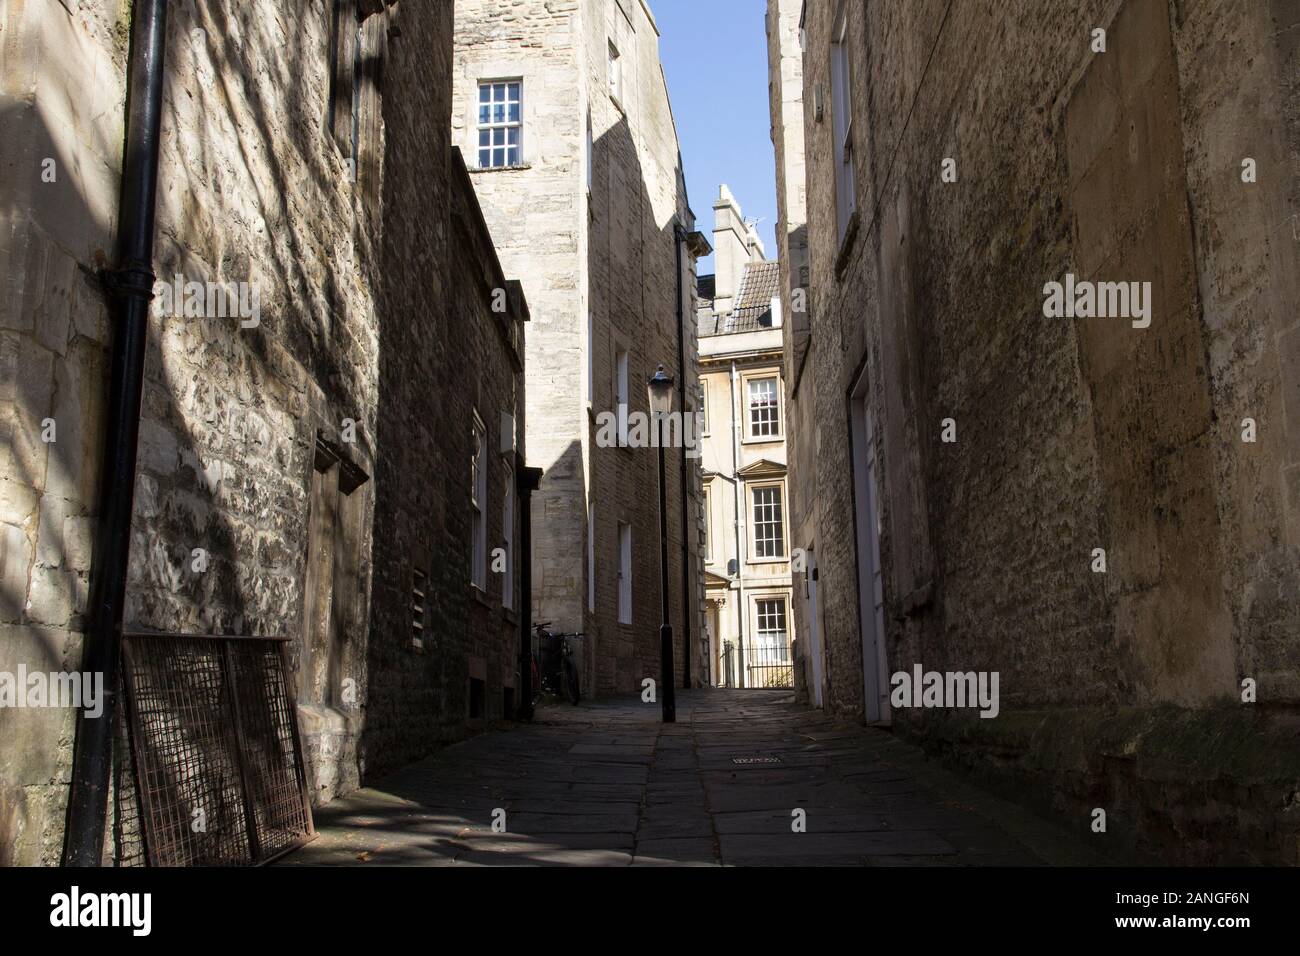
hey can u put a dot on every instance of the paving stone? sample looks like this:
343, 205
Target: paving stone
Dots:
674, 851
604, 784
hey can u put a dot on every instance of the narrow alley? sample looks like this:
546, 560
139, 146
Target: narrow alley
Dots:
746, 435
607, 784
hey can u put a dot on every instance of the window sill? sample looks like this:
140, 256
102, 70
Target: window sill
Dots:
781, 560
480, 595
763, 440
519, 167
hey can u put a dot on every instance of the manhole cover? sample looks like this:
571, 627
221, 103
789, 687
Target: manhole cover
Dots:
744, 761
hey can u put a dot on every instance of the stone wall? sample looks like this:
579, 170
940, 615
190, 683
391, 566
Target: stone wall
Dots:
262, 482
593, 243
61, 117
252, 192
1072, 434
445, 356
785, 81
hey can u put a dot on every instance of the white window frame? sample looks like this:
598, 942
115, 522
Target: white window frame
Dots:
615, 73
591, 154
508, 539
752, 495
591, 357
704, 408
746, 384
782, 600
591, 556
624, 573
846, 198
478, 505
491, 125
622, 394
708, 522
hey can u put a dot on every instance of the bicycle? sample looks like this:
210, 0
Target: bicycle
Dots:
558, 673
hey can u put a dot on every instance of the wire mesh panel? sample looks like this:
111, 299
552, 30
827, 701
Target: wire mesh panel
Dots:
217, 761
276, 775
127, 846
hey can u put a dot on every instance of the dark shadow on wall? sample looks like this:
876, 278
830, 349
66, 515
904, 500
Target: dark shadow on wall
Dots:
440, 362
218, 468
53, 371
633, 290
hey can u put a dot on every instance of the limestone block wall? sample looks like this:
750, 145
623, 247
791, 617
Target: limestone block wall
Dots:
785, 79
590, 234
1072, 434
60, 135
254, 192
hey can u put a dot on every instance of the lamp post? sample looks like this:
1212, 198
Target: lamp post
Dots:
661, 403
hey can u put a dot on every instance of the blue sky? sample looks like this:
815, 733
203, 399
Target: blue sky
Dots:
715, 57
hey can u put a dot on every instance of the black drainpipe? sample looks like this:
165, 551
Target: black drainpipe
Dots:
527, 480
130, 287
679, 234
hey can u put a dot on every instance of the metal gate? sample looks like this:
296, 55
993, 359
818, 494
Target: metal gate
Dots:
768, 665
765, 655
216, 756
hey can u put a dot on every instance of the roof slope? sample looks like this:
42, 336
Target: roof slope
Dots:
752, 311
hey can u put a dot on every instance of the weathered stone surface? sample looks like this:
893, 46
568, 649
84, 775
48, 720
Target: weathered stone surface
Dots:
1071, 434
593, 244
362, 284
944, 820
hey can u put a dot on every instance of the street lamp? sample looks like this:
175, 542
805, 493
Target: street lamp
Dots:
661, 403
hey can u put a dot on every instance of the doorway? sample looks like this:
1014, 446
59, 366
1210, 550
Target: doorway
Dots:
871, 594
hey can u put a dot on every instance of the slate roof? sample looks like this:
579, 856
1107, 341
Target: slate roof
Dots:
752, 310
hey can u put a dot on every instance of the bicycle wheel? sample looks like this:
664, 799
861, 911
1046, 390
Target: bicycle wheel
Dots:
571, 681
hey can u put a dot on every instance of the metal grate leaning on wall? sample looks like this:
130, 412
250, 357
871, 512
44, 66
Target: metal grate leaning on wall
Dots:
217, 763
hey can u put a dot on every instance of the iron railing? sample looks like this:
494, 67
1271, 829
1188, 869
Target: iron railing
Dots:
768, 664
217, 761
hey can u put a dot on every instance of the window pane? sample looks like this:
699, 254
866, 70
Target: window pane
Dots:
514, 91
772, 643
484, 93
484, 158
485, 137
763, 408
769, 530
512, 136
512, 155
514, 112
498, 92
498, 157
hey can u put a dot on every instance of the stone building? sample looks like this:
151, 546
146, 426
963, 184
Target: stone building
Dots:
785, 84
563, 114
747, 543
1104, 508
301, 352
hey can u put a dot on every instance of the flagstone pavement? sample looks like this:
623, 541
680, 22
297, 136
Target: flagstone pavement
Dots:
606, 784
